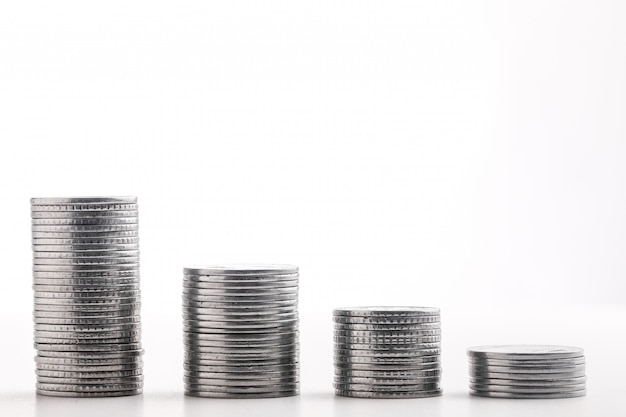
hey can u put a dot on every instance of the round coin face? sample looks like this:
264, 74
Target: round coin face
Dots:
241, 269
55, 201
386, 311
524, 351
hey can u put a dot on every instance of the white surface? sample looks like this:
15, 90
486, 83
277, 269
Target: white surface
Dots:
446, 153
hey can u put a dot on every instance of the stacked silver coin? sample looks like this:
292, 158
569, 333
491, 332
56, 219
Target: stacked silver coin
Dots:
387, 352
87, 300
241, 331
527, 371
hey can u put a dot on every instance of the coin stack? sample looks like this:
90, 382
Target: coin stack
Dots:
527, 371
86, 307
387, 352
241, 331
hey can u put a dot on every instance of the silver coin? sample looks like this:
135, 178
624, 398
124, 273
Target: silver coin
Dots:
133, 286
86, 282
391, 311
85, 341
380, 343
388, 354
206, 366
89, 381
85, 235
198, 362
89, 388
386, 368
87, 207
84, 214
377, 360
76, 355
522, 389
85, 255
242, 307
236, 383
256, 318
525, 352
391, 329
86, 241
90, 309
133, 366
403, 350
244, 337
102, 221
86, 248
528, 382
93, 321
389, 375
273, 394
242, 279
100, 394
53, 201
232, 356
40, 360
387, 395
108, 274
211, 347
244, 375
85, 268
100, 348
237, 312
387, 388
91, 262
526, 370
251, 324
69, 228
384, 335
93, 300
547, 363
375, 321
243, 389
225, 285
87, 330
241, 269
253, 299
90, 374
492, 394
81, 295
195, 344
264, 331
344, 380
237, 292
533, 376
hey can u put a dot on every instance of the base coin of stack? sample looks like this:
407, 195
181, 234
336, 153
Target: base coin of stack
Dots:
241, 331
387, 352
527, 371
86, 304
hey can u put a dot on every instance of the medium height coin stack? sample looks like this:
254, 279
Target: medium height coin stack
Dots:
241, 331
527, 371
387, 352
87, 300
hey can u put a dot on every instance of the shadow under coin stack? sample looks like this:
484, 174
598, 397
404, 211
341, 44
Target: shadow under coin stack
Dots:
387, 352
241, 331
86, 307
527, 371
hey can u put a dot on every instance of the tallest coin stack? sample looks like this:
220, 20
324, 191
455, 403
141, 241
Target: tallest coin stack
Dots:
87, 300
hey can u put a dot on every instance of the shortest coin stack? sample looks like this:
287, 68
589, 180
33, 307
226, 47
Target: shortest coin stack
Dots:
527, 371
387, 352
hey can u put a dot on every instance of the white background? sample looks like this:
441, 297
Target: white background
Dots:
461, 154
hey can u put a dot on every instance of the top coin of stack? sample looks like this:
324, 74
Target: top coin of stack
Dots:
387, 352
241, 331
87, 300
527, 371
